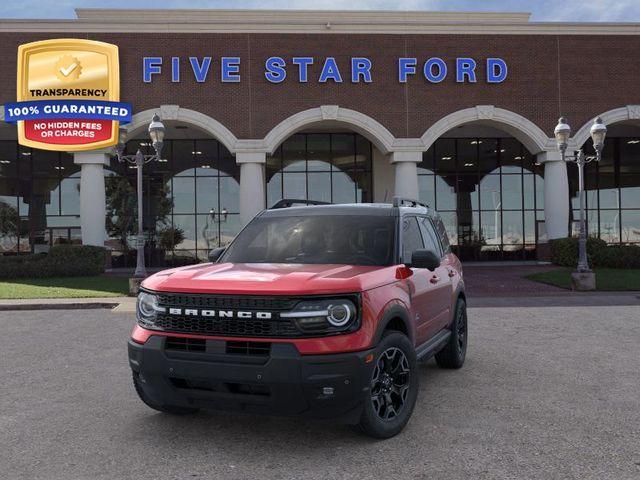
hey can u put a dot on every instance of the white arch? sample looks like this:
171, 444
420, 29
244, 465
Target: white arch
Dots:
622, 114
531, 136
221, 133
382, 138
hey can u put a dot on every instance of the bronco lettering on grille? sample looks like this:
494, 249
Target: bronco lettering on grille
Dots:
192, 312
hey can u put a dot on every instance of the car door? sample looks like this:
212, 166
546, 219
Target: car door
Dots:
421, 288
440, 278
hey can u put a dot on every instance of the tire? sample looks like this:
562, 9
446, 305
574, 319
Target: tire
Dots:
455, 351
173, 410
395, 353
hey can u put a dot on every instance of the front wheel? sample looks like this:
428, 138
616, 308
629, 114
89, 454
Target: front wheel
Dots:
393, 389
455, 351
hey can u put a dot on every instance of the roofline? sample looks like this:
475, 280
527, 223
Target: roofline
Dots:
310, 21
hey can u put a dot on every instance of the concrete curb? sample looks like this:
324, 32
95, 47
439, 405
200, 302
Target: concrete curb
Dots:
57, 306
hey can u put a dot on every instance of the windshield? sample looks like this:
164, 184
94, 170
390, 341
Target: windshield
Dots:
339, 239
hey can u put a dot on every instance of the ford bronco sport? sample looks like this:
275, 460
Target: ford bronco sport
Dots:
314, 310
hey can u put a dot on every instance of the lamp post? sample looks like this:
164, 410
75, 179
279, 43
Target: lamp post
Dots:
156, 133
598, 132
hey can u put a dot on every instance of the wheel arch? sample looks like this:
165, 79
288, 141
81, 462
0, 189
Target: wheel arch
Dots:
395, 317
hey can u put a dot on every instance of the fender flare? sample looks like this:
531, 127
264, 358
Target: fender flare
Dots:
391, 312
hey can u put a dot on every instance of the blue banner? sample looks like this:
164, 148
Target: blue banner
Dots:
67, 109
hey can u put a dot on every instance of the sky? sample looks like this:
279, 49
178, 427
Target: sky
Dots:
542, 10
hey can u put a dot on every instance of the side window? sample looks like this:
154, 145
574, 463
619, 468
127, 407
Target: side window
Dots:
431, 241
411, 238
442, 234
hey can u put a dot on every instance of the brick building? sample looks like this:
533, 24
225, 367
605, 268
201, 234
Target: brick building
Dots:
457, 109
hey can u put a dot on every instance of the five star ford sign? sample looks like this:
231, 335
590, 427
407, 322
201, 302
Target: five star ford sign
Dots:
68, 95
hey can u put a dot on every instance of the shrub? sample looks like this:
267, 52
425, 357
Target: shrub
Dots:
564, 252
61, 261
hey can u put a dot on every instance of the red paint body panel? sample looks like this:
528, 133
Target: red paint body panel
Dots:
381, 288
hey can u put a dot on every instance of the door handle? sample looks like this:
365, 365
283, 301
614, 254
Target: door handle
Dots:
435, 279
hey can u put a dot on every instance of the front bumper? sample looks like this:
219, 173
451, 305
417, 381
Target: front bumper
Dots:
281, 383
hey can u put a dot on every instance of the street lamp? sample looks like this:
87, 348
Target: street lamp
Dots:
156, 133
562, 133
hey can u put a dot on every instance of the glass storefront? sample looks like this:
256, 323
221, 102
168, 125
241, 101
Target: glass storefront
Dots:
612, 189
39, 199
328, 167
489, 192
191, 201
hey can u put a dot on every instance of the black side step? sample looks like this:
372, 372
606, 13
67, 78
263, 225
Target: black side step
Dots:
433, 345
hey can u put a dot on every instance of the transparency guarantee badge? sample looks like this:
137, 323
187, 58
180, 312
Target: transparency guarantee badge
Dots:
68, 95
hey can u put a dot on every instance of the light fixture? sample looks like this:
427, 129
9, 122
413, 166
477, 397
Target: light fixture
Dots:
517, 158
447, 158
156, 133
58, 168
205, 166
562, 133
196, 152
469, 164
598, 133
632, 142
26, 154
4, 162
476, 142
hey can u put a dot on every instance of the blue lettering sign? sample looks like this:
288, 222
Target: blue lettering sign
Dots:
151, 66
303, 66
230, 69
406, 66
496, 70
175, 69
465, 67
275, 69
200, 71
428, 70
360, 67
330, 71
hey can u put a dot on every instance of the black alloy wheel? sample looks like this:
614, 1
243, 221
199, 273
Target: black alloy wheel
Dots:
390, 383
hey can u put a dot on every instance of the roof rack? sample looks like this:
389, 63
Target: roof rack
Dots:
400, 201
291, 202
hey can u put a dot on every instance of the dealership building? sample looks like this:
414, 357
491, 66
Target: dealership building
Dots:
455, 109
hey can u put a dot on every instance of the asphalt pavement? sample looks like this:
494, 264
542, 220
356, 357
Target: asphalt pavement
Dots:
546, 393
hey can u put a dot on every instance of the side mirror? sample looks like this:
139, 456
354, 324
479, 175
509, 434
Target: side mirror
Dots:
215, 254
425, 259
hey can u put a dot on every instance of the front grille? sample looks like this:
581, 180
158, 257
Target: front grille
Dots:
187, 316
230, 302
239, 327
248, 348
186, 344
221, 387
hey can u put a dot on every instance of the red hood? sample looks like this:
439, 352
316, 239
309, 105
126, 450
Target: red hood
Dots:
270, 278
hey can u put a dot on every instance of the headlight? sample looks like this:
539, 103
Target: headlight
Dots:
147, 309
324, 315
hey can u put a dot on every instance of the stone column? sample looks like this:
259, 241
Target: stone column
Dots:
406, 172
252, 188
556, 194
92, 196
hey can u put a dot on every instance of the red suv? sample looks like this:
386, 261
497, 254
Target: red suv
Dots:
316, 310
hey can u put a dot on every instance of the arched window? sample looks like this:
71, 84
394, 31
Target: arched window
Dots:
328, 167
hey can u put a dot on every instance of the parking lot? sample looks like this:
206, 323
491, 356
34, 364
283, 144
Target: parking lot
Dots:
548, 392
